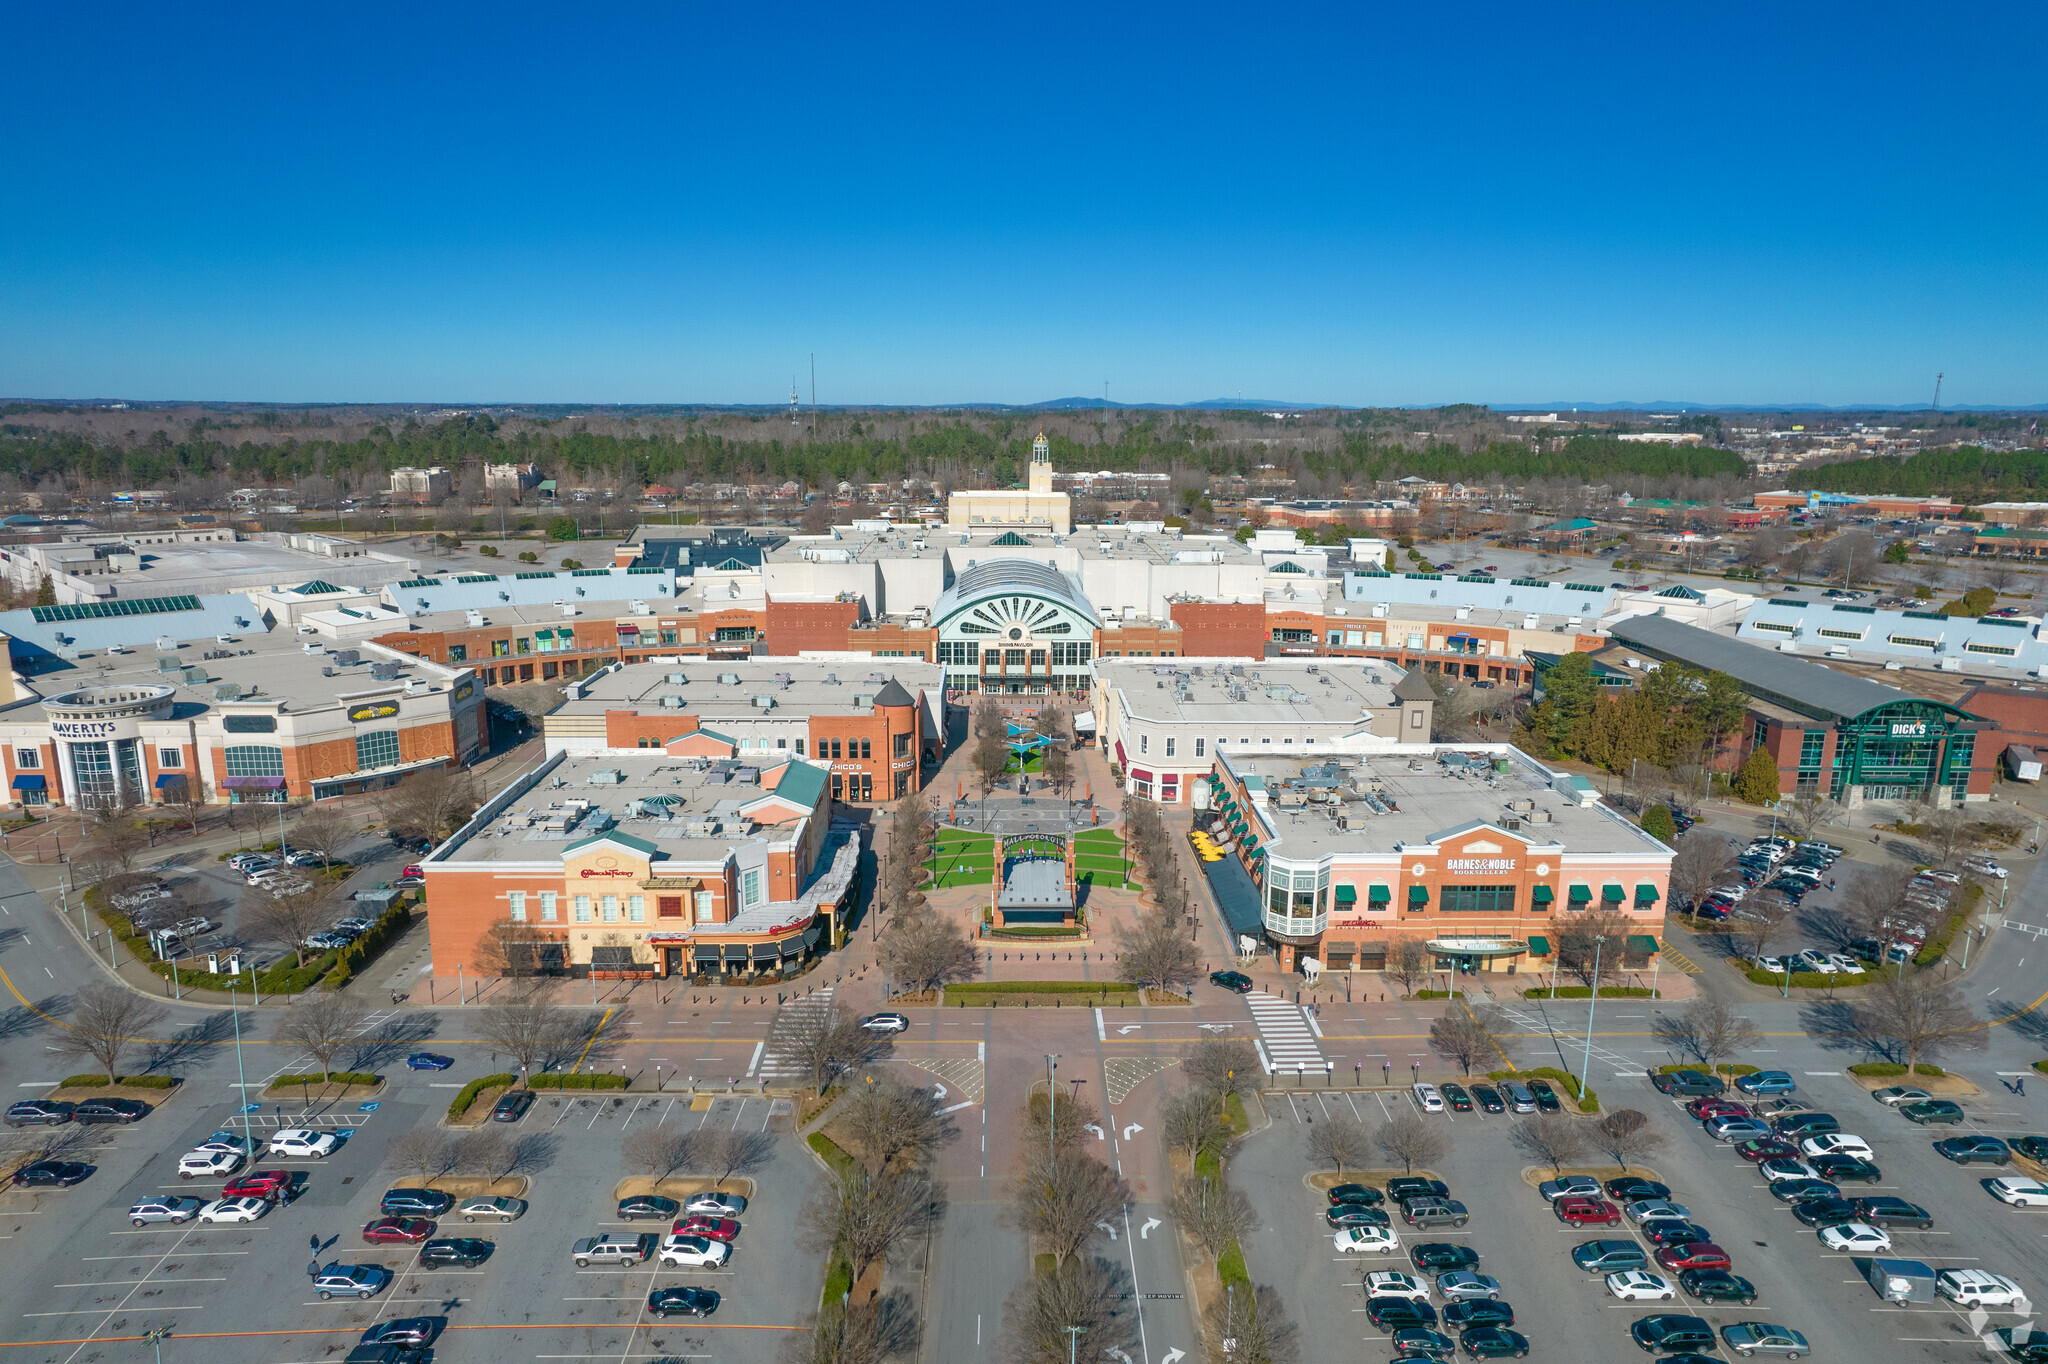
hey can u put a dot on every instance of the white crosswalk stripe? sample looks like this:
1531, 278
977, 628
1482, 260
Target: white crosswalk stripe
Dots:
1284, 1031
792, 1020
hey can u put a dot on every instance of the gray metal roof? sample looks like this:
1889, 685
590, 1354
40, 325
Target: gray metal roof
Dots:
993, 577
1796, 683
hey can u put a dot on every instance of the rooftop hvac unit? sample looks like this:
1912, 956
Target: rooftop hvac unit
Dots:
768, 702
831, 679
677, 680
347, 656
567, 609
607, 776
327, 670
861, 701
169, 663
314, 646
228, 691
671, 702
728, 679
417, 688
639, 608
878, 677
166, 644
473, 618
194, 676
1537, 817
383, 672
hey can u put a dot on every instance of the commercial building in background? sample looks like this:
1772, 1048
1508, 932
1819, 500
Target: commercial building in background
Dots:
1481, 854
1163, 725
1927, 639
1034, 506
877, 731
139, 703
1860, 505
428, 487
650, 865
1845, 737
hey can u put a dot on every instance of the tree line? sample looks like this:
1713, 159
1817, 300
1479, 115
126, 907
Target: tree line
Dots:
1967, 473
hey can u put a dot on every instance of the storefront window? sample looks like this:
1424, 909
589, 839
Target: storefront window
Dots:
610, 908
636, 909
515, 901
1477, 900
583, 909
378, 748
254, 760
547, 906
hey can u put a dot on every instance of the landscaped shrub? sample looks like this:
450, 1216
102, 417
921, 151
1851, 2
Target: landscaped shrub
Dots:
459, 1105
1937, 943
369, 943
339, 1077
830, 1152
87, 1081
1882, 1069
599, 1080
1811, 980
1583, 992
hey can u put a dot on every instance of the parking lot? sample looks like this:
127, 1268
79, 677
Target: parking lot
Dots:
245, 1290
1568, 1313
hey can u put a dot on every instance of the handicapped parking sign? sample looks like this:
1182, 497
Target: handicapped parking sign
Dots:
251, 1108
344, 1132
367, 1108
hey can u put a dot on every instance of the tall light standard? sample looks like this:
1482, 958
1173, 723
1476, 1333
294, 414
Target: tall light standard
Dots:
1052, 1105
1074, 1334
156, 1338
241, 1075
1593, 999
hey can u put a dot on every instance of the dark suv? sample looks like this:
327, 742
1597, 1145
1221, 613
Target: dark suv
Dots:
1893, 1212
1236, 981
1687, 1083
1546, 1097
415, 1203
1673, 1333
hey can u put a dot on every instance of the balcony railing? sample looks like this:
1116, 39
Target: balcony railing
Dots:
1297, 925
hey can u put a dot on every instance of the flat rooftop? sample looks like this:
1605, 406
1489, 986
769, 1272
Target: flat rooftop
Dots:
242, 564
1088, 542
799, 687
1236, 692
689, 808
1418, 798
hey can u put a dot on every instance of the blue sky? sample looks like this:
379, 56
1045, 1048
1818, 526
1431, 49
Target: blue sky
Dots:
1355, 204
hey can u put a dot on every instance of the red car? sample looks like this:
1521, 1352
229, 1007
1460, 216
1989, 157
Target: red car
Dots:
1580, 1211
717, 1228
1713, 1107
1765, 1148
270, 1184
1694, 1255
405, 1230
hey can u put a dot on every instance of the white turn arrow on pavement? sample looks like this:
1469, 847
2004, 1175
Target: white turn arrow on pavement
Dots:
1145, 1232
1130, 1027
1108, 1228
1100, 1135
1119, 1354
1172, 1355
938, 1092
1215, 1027
1132, 1128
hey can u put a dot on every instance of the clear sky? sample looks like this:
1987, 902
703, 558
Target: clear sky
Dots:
1364, 204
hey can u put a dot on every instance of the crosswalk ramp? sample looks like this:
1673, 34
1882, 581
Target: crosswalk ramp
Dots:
781, 1056
1285, 1041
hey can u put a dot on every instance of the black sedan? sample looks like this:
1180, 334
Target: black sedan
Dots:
1357, 1193
1546, 1097
1355, 1215
1236, 981
1634, 1189
407, 1333
648, 1208
1494, 1342
427, 1060
2033, 1148
1799, 1190
1674, 1231
1824, 1212
1974, 1151
1458, 1097
1717, 1285
682, 1302
1403, 1187
459, 1252
1420, 1340
1393, 1313
1479, 1312
111, 1110
1843, 1169
1893, 1212
1438, 1256
1489, 1098
39, 1113
51, 1174
415, 1202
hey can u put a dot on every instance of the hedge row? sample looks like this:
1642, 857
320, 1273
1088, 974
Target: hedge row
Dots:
1725, 1068
369, 943
598, 1080
1937, 944
337, 1077
1888, 1068
1589, 1101
466, 1096
830, 1152
1585, 992
133, 1081
1038, 987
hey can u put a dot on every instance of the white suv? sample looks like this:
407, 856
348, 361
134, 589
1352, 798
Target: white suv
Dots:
1427, 1098
208, 1164
1979, 1288
301, 1141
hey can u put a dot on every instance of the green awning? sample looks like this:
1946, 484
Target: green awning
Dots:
1581, 895
1418, 895
1347, 895
1543, 895
544, 633
1539, 946
1379, 895
1646, 894
1641, 942
1612, 893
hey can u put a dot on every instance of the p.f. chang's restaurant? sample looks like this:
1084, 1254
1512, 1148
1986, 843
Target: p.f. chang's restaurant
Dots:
645, 866
1483, 855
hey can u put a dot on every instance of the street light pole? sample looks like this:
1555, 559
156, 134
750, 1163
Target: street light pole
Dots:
1074, 1334
1052, 1105
156, 1338
1592, 1000
241, 1075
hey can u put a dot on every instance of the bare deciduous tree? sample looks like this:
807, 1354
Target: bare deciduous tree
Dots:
1191, 1121
420, 1153
1703, 861
1408, 962
1087, 1294
105, 1020
528, 1031
1551, 1138
1158, 953
1919, 1015
926, 950
431, 804
1223, 1065
884, 1327
287, 920
1342, 1141
887, 1118
1258, 1324
657, 1152
322, 1024
729, 1153
1072, 1115
1413, 1140
1589, 945
1708, 1030
325, 829
826, 1043
1765, 916
867, 1214
486, 1153
1213, 1213
1060, 1201
1465, 1035
1626, 1135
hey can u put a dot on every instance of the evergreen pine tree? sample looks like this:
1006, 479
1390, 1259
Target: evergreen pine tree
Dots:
46, 595
1658, 824
1757, 782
